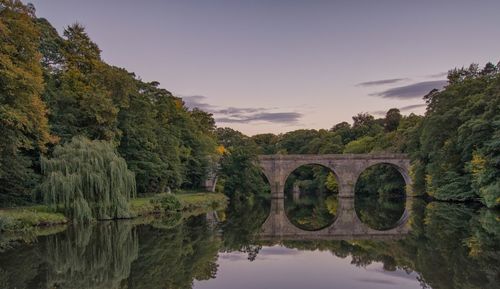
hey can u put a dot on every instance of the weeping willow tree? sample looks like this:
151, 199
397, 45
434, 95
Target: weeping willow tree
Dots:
88, 180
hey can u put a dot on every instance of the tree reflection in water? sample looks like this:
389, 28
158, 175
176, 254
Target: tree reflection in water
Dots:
173, 258
91, 256
450, 246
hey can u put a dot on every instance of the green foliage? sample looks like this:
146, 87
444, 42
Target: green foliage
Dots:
311, 197
462, 121
57, 87
310, 142
204, 202
380, 196
169, 203
331, 183
22, 219
392, 119
23, 121
189, 204
267, 143
239, 171
166, 145
360, 146
366, 125
89, 180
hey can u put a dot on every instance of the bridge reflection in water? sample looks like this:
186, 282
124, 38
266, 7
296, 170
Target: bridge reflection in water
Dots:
347, 225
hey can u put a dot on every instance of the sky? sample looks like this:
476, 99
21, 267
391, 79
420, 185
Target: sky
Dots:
279, 65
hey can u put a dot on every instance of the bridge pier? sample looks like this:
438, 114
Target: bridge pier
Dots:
278, 189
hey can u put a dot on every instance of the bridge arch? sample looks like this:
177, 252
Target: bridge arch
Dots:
401, 165
295, 166
368, 203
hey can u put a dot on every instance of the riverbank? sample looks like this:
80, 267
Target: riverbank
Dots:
190, 203
24, 219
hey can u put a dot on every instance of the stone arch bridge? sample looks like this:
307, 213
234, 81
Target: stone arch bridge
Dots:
347, 169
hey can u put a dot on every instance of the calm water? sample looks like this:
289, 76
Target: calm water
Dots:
449, 246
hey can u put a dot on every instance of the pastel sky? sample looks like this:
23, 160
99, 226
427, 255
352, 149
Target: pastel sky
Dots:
279, 65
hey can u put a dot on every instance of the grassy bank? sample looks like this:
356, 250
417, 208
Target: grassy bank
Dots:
190, 203
24, 219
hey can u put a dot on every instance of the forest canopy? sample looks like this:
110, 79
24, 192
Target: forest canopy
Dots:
59, 88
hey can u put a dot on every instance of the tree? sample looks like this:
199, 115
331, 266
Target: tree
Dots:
84, 94
89, 180
23, 120
267, 143
344, 130
360, 146
458, 138
365, 125
392, 119
239, 171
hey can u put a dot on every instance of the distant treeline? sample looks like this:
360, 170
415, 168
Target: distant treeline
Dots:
54, 88
455, 146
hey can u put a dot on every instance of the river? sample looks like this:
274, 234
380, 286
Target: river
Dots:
448, 246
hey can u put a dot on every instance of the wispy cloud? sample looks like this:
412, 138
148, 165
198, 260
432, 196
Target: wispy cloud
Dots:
414, 90
413, 106
275, 117
381, 82
197, 101
438, 75
242, 114
402, 109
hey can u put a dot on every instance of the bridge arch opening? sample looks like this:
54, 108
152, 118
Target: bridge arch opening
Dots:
380, 196
311, 197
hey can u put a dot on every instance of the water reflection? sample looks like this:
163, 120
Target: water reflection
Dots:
311, 197
449, 246
173, 258
346, 226
91, 256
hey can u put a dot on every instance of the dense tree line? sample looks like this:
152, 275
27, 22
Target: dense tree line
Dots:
53, 88
458, 151
455, 146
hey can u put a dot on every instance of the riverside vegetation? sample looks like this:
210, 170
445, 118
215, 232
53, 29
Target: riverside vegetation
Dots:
85, 138
84, 142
